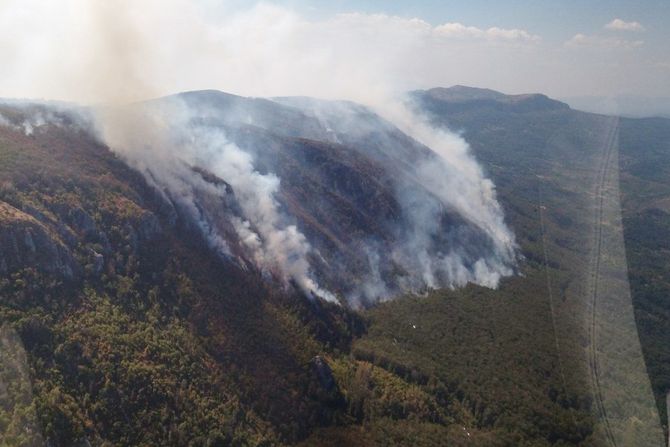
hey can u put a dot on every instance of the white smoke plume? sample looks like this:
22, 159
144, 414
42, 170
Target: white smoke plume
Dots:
451, 181
162, 141
459, 182
274, 244
31, 117
114, 53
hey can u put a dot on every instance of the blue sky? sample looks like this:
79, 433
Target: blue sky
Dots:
555, 21
552, 19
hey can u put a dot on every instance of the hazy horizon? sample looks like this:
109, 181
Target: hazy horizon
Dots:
90, 52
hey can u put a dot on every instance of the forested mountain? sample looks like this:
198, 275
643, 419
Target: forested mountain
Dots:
556, 165
134, 313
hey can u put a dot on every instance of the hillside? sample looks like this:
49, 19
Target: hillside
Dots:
135, 331
124, 324
550, 166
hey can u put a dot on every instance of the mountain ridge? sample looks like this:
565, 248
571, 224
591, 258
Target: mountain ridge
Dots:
462, 96
175, 345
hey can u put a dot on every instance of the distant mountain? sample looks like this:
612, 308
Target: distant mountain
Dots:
460, 98
462, 93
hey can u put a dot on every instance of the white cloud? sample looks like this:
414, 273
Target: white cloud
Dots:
50, 50
621, 25
460, 31
600, 42
176, 45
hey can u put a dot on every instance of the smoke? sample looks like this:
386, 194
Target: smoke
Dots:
458, 182
431, 185
274, 244
167, 141
117, 53
96, 51
32, 117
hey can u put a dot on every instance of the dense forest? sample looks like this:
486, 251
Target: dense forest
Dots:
120, 326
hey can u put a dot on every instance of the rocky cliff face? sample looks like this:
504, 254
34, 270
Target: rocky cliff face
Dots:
27, 243
64, 209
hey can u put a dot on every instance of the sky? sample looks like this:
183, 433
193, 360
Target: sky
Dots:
556, 23
556, 19
97, 51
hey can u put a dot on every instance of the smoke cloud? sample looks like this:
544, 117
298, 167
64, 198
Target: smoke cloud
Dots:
111, 54
165, 142
445, 181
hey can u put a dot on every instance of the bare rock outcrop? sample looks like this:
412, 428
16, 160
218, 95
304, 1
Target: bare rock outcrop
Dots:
26, 242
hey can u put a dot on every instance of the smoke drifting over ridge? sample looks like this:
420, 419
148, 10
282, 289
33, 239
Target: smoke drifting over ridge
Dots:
130, 51
164, 141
